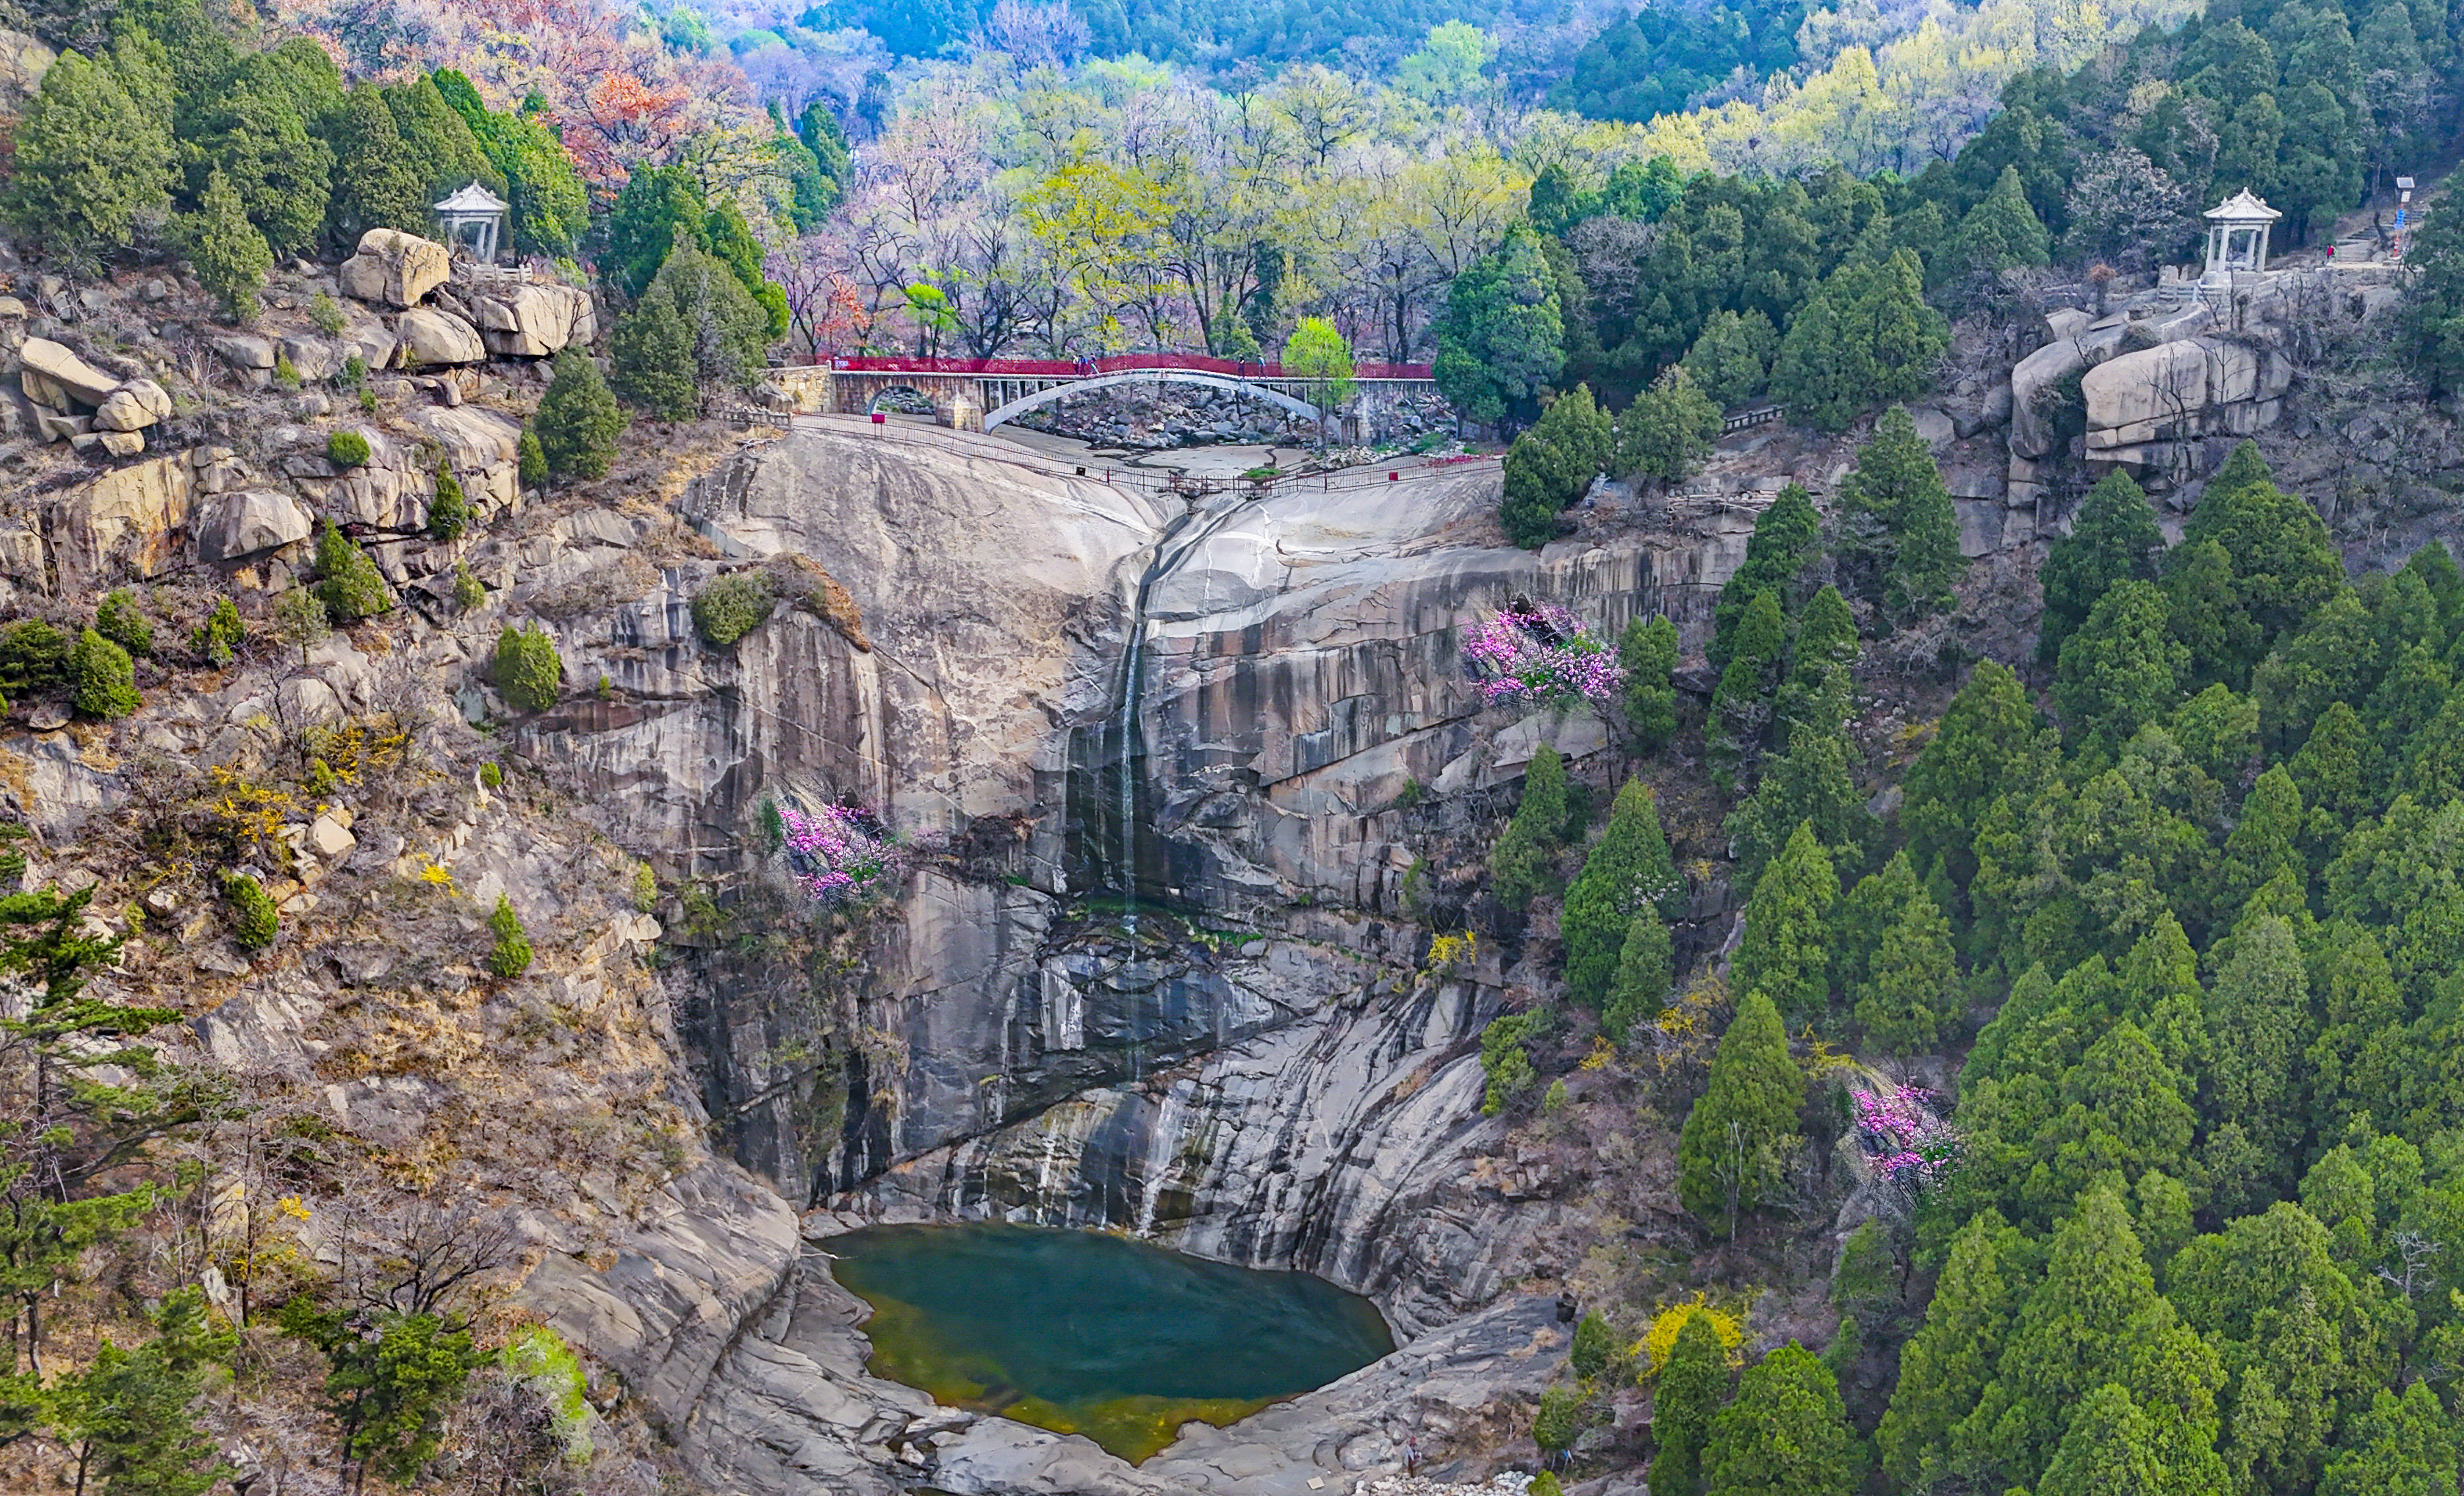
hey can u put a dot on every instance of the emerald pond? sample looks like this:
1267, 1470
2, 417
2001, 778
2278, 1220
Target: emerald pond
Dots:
1088, 1334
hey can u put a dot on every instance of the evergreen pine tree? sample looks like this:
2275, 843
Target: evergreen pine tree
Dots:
1826, 639
2110, 1450
2095, 1318
101, 678
2258, 1025
2402, 1446
1926, 1438
2266, 839
577, 422
2333, 768
249, 131
1648, 655
2121, 670
1899, 533
1550, 465
378, 182
1810, 781
1730, 361
1644, 974
1786, 1434
128, 1418
1667, 431
1519, 864
1990, 744
88, 160
1864, 338
1736, 1145
1502, 340
231, 257
1784, 952
2284, 567
651, 354
1628, 871
2112, 539
1741, 705
1693, 1385
2000, 232
2333, 659
1862, 917
1787, 540
1913, 989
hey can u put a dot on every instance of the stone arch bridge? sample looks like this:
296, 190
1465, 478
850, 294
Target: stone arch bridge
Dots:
975, 394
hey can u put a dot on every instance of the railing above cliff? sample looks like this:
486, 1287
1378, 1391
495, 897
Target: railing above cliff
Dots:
1090, 369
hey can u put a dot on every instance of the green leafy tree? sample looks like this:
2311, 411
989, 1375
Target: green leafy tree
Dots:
1668, 429
102, 678
1787, 540
128, 1416
88, 161
391, 1379
2122, 670
1786, 1434
1504, 1061
1646, 968
1629, 870
1693, 1385
531, 460
1589, 1355
1784, 952
1520, 865
527, 669
1734, 1148
2112, 539
219, 638
1731, 362
510, 955
231, 257
1550, 465
1502, 339
550, 206
578, 421
1927, 1438
347, 581
1826, 640
1865, 339
1899, 533
437, 137
1318, 352
1648, 655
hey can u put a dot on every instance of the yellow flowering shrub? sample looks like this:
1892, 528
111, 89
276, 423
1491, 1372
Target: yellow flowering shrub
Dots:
1653, 1351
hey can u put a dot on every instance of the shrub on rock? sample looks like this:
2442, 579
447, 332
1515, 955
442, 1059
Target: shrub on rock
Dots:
104, 679
528, 671
255, 919
346, 449
116, 619
347, 581
730, 608
512, 953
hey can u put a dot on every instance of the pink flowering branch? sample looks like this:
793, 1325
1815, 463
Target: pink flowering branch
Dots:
1538, 654
840, 854
1903, 1137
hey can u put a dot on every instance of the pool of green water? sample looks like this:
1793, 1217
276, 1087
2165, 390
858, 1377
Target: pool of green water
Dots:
1086, 1334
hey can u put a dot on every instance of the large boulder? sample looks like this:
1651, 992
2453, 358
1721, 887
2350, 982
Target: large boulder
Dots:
133, 519
2178, 390
244, 351
53, 375
134, 406
430, 339
234, 525
394, 269
532, 320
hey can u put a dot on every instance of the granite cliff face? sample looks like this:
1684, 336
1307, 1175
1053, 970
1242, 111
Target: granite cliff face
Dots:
1244, 1060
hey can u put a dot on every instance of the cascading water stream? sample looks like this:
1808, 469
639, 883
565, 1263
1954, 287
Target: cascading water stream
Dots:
1163, 1150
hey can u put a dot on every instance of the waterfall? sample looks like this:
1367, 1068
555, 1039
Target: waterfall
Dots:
1043, 1175
1164, 1149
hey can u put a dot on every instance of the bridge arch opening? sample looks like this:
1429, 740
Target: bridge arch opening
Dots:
1015, 408
902, 399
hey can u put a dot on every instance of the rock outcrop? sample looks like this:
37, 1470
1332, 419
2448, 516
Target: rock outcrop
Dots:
234, 526
53, 375
433, 338
132, 520
532, 318
394, 269
2144, 403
